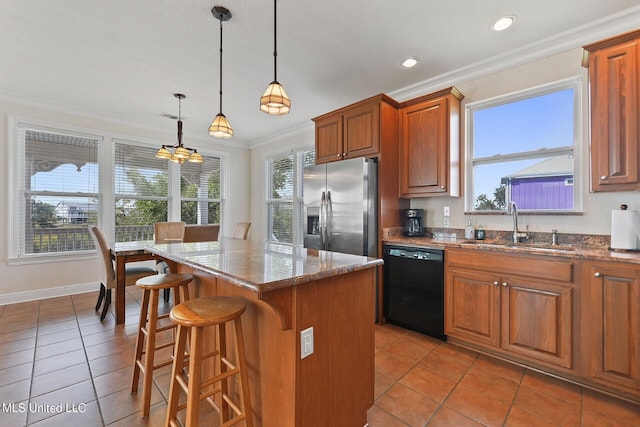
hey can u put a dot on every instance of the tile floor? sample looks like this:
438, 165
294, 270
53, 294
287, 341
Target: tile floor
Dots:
59, 365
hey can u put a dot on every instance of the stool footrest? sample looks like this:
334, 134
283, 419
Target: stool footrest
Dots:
219, 378
165, 328
232, 404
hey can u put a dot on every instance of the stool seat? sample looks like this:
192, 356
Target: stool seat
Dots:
207, 311
164, 281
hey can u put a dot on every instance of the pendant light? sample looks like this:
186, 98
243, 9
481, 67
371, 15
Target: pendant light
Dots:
275, 101
180, 153
220, 127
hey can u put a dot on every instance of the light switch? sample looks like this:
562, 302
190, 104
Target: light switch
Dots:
306, 342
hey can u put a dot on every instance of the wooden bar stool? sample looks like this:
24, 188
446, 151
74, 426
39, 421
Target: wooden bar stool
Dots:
193, 316
148, 328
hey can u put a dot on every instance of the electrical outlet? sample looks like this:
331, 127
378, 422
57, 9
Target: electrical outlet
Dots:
306, 342
446, 222
447, 212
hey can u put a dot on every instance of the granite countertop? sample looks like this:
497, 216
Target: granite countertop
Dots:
569, 251
262, 267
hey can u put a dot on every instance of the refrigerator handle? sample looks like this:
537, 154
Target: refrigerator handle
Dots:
328, 219
323, 221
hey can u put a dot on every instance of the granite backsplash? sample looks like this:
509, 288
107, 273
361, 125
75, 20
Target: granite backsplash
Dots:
593, 241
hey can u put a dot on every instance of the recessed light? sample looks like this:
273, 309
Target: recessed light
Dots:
503, 23
410, 62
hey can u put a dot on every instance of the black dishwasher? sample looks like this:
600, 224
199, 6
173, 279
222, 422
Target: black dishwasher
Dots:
414, 289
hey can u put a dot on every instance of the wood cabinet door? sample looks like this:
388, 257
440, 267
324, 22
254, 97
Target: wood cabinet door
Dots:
329, 139
537, 320
615, 117
362, 131
423, 148
615, 315
472, 306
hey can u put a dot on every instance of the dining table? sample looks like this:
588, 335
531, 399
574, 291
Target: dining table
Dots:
123, 253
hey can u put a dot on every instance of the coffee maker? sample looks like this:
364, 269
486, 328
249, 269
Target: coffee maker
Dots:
413, 222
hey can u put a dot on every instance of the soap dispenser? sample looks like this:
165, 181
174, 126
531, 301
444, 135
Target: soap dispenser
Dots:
469, 231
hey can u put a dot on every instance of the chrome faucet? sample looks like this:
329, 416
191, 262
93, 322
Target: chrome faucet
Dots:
517, 235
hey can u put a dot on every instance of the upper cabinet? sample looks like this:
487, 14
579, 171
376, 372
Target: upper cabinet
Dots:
355, 130
614, 74
430, 145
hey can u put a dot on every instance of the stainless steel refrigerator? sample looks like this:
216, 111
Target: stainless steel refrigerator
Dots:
340, 206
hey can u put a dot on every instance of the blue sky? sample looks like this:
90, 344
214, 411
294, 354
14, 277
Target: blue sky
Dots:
541, 122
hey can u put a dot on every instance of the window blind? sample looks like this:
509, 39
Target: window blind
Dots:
141, 190
283, 175
201, 191
59, 192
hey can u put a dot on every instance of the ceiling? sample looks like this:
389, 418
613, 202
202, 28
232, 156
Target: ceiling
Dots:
122, 60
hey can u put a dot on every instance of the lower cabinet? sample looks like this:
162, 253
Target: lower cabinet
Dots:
519, 315
574, 318
615, 323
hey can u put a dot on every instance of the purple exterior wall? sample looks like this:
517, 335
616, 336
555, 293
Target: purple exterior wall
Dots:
542, 192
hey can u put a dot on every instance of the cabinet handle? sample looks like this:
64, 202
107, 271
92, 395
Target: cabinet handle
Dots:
505, 284
344, 154
496, 283
442, 187
339, 155
597, 274
603, 177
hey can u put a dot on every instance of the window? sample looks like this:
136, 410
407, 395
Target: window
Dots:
141, 191
60, 185
201, 191
57, 191
522, 149
283, 175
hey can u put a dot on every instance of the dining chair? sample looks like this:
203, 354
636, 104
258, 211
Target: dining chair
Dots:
167, 232
108, 272
242, 230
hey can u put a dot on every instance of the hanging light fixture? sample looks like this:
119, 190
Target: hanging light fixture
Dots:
180, 152
275, 100
220, 127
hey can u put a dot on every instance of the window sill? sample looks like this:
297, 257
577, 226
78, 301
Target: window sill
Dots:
51, 258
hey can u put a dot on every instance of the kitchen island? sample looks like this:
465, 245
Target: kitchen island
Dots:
288, 290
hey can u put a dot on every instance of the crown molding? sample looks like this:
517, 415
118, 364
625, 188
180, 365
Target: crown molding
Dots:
570, 39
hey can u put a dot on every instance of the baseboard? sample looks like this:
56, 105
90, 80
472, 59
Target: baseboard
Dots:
39, 294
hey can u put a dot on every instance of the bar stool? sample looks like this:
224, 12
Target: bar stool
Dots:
192, 317
148, 327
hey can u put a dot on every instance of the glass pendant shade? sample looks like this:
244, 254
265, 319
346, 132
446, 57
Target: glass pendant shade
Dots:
275, 101
182, 153
163, 153
195, 157
220, 127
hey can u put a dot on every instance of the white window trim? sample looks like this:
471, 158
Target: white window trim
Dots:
15, 160
106, 184
297, 190
574, 83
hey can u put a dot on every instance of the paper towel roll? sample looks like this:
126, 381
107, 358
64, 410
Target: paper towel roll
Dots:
625, 229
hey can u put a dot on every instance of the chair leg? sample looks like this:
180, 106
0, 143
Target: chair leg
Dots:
107, 302
100, 296
167, 292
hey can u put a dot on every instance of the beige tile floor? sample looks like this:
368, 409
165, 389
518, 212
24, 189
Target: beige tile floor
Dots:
56, 352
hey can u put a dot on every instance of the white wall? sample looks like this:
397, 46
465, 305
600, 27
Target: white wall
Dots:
30, 281
596, 217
